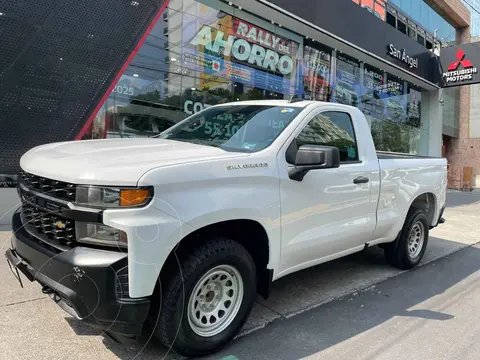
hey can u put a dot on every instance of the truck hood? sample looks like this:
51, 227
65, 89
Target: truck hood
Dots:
119, 162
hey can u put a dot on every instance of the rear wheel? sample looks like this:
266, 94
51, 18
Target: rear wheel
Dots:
206, 298
408, 250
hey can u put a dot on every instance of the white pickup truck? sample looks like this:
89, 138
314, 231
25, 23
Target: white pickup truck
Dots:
182, 230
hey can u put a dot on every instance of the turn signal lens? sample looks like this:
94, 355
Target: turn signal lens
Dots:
133, 197
111, 197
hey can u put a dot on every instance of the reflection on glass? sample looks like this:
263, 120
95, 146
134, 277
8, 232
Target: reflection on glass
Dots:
331, 129
198, 56
414, 101
373, 86
316, 75
427, 17
394, 100
244, 128
399, 129
347, 86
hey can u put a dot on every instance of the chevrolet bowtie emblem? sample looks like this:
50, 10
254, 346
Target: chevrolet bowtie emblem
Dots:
60, 225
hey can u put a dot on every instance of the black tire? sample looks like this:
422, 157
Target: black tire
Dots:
397, 253
173, 328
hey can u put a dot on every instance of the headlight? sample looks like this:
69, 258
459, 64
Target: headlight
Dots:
110, 197
99, 234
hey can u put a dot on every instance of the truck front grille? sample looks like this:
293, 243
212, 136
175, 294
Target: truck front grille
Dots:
57, 189
56, 228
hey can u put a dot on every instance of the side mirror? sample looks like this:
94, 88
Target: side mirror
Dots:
313, 157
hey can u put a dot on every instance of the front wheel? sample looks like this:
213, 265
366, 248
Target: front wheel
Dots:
207, 299
408, 250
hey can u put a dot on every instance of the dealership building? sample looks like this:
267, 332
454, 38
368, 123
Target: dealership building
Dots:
92, 70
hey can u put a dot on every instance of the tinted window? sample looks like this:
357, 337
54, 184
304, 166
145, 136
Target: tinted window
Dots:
392, 20
246, 128
412, 33
421, 39
331, 129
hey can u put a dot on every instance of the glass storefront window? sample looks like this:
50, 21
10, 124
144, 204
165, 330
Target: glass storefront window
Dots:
393, 134
197, 56
414, 100
400, 129
317, 72
372, 104
347, 84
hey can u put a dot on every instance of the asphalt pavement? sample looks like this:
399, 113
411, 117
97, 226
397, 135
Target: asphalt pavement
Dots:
331, 295
432, 312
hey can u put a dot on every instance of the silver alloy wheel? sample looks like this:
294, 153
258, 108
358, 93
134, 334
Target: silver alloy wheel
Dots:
215, 301
416, 240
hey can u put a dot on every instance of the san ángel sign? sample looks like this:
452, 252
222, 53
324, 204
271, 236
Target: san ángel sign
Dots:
401, 55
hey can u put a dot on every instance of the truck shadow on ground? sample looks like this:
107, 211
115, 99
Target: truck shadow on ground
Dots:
341, 280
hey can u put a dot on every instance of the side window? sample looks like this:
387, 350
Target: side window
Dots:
331, 128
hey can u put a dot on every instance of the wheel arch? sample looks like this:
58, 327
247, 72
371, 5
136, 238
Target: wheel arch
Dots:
427, 202
247, 232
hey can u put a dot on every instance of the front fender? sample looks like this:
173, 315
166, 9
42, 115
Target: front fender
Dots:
190, 197
152, 235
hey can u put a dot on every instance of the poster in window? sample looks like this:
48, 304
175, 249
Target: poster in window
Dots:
243, 53
373, 86
414, 100
347, 86
316, 73
395, 102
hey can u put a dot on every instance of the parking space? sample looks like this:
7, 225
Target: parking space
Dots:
32, 326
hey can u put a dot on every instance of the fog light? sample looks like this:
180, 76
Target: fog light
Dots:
100, 234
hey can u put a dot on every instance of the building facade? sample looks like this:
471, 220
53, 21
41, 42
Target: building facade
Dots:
202, 53
165, 60
474, 7
446, 23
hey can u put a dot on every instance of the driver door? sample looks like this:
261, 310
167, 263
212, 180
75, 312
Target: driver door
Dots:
325, 215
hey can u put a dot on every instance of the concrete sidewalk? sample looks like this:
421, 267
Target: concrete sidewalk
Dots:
31, 325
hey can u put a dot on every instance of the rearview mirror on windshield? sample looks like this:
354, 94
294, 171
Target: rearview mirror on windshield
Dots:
313, 157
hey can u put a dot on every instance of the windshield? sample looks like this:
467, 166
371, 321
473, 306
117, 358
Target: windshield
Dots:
246, 128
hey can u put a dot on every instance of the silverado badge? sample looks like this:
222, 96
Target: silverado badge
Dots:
247, 166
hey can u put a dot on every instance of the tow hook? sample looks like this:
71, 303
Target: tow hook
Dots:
47, 290
53, 295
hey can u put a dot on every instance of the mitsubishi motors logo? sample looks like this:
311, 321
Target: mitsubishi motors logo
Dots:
460, 57
454, 75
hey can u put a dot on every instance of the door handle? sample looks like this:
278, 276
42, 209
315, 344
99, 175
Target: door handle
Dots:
361, 180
